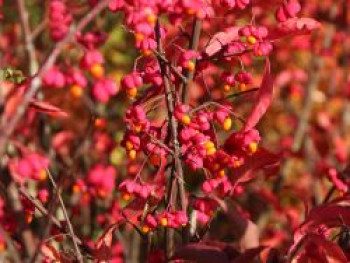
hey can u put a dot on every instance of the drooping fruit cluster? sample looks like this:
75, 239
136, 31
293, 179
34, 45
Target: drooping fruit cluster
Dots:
59, 19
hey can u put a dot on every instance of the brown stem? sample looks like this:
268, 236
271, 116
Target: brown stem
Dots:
47, 225
172, 120
26, 234
306, 112
65, 213
172, 196
38, 205
11, 247
29, 46
194, 41
50, 220
170, 101
238, 94
218, 105
317, 64
135, 244
329, 194
39, 28
172, 68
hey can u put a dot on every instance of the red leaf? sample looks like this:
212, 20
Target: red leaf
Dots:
331, 215
318, 249
294, 26
332, 252
134, 210
62, 138
50, 252
13, 96
44, 107
263, 101
201, 253
221, 39
103, 252
262, 159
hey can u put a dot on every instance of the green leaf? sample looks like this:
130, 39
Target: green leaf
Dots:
12, 75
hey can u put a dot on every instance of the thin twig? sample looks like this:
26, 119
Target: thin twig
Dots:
317, 63
39, 28
15, 255
17, 207
329, 194
65, 213
47, 224
161, 144
196, 31
216, 104
29, 46
238, 94
38, 205
62, 227
171, 66
308, 103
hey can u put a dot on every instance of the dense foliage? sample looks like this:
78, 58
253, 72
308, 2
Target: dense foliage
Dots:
174, 130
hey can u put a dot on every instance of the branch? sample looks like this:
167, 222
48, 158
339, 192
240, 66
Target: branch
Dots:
196, 31
161, 144
11, 247
29, 46
16, 205
316, 67
172, 68
170, 100
173, 122
39, 206
238, 94
65, 213
221, 54
214, 103
40, 28
44, 212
